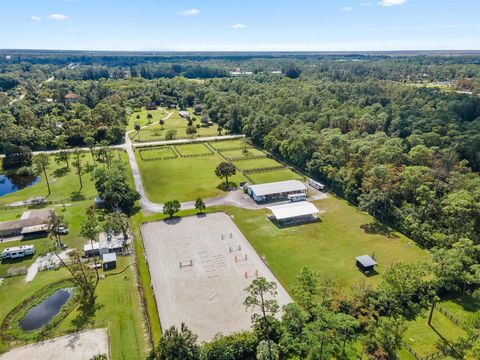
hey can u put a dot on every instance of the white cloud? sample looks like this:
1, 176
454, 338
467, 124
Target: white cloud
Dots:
366, 4
392, 2
60, 17
35, 18
190, 12
347, 8
237, 26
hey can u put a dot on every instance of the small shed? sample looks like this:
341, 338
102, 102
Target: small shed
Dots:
365, 263
152, 105
109, 261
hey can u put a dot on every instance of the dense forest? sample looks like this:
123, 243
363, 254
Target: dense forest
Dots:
398, 136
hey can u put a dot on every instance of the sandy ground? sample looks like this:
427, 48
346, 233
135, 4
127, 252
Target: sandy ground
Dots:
208, 295
50, 259
78, 346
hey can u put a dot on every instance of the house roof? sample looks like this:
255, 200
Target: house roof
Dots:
292, 210
72, 96
278, 187
110, 257
34, 229
42, 214
13, 225
90, 247
366, 261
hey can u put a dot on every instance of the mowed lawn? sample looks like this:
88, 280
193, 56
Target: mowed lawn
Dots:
275, 175
329, 246
183, 179
120, 308
157, 152
157, 132
425, 339
157, 115
64, 183
120, 312
193, 149
253, 164
228, 144
241, 154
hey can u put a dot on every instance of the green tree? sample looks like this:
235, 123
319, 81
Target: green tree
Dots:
90, 231
90, 142
384, 338
171, 134
200, 205
261, 297
62, 145
117, 223
42, 164
191, 130
161, 122
77, 163
225, 170
176, 344
171, 207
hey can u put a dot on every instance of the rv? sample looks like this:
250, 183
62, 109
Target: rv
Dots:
18, 252
297, 197
316, 184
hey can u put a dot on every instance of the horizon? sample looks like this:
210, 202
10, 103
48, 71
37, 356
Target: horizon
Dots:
240, 26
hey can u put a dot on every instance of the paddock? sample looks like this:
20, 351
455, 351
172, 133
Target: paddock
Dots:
200, 266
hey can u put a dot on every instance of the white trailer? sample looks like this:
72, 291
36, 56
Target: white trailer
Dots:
18, 252
316, 185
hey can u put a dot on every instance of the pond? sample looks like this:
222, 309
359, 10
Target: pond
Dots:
10, 183
42, 313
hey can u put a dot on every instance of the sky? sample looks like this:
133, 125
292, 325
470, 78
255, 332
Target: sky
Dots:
240, 25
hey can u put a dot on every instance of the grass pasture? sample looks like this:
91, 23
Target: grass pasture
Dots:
240, 154
157, 153
275, 175
252, 164
426, 340
193, 149
329, 246
183, 179
228, 144
156, 132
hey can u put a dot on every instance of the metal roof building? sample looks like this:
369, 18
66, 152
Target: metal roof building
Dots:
276, 190
294, 212
365, 262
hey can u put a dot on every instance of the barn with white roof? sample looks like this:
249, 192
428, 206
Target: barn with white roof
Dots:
276, 190
296, 212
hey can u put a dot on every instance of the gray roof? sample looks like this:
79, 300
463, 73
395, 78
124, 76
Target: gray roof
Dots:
366, 260
278, 187
43, 214
292, 210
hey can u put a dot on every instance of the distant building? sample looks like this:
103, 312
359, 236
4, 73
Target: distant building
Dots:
109, 261
184, 114
72, 98
151, 106
32, 223
276, 190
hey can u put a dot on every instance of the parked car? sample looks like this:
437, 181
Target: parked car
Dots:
62, 230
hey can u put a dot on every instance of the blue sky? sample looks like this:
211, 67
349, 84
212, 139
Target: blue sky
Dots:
291, 25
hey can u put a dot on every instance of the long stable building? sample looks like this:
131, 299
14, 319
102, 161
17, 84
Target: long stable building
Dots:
276, 190
302, 211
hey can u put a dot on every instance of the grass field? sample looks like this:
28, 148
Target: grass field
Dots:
227, 144
256, 164
272, 176
193, 149
329, 246
183, 179
119, 312
237, 154
64, 183
144, 120
157, 132
157, 152
426, 340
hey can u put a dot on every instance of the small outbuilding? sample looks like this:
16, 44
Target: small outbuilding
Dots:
365, 263
296, 212
109, 261
184, 114
152, 105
